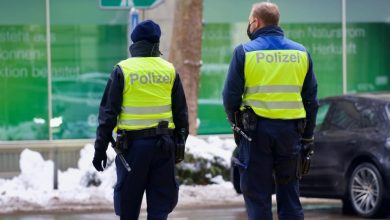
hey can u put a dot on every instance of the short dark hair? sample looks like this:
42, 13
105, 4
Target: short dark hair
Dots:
267, 12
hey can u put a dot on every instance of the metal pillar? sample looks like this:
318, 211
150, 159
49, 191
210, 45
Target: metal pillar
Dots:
53, 152
344, 43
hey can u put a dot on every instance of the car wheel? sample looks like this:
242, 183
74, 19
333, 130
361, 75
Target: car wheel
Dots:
365, 190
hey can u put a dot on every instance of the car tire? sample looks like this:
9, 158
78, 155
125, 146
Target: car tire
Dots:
366, 191
347, 208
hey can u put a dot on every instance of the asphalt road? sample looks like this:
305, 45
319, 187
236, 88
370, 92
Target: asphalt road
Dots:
316, 211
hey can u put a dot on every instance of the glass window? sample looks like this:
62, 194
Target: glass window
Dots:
85, 47
369, 115
344, 117
369, 118
321, 115
23, 75
316, 24
368, 31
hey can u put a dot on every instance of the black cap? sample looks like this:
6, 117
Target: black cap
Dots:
146, 30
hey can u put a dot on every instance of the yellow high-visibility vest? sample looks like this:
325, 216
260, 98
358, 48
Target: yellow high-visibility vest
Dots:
273, 83
148, 83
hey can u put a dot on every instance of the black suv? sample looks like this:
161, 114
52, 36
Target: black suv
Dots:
352, 154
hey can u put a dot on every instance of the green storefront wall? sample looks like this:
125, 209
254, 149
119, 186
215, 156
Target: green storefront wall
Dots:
86, 42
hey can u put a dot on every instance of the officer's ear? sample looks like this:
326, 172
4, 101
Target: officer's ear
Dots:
259, 23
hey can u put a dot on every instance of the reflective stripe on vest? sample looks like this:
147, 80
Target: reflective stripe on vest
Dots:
272, 89
274, 105
143, 121
273, 83
146, 110
147, 93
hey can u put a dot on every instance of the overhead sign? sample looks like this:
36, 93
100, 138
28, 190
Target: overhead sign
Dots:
146, 4
115, 4
127, 4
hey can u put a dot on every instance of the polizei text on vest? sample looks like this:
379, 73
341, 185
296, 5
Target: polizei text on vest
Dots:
277, 57
150, 78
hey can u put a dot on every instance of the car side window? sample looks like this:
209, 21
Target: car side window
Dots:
369, 118
345, 116
321, 115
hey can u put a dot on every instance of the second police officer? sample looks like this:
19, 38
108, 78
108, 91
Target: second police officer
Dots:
271, 92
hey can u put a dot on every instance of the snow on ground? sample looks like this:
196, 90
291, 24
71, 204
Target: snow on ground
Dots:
209, 195
33, 190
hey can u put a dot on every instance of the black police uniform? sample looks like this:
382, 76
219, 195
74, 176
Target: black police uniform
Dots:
151, 159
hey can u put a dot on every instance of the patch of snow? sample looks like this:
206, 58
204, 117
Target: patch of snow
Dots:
36, 173
209, 195
218, 180
210, 148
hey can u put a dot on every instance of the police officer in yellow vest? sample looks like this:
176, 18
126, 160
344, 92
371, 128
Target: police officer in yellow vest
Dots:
271, 94
144, 99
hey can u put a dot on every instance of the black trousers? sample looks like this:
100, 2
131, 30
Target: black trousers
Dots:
153, 171
275, 142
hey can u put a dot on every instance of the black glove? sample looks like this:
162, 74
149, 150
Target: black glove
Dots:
180, 143
304, 158
98, 158
307, 146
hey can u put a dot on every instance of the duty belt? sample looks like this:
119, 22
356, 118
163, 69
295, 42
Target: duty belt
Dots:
145, 133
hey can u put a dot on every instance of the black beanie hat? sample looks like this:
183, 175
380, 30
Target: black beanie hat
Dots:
146, 30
